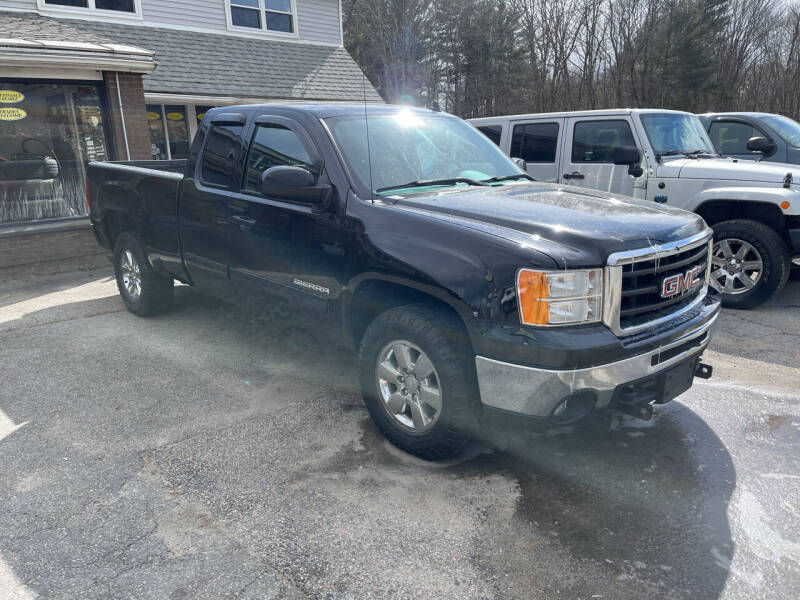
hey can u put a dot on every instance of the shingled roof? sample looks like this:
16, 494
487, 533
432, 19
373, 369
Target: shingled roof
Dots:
212, 64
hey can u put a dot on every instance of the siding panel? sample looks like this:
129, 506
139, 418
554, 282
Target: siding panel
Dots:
318, 20
18, 4
207, 14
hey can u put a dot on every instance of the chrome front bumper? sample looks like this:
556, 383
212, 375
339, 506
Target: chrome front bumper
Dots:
538, 392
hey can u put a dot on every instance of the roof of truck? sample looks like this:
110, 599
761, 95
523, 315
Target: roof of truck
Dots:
606, 112
324, 111
738, 114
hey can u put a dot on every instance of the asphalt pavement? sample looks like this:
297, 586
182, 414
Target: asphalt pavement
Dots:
207, 454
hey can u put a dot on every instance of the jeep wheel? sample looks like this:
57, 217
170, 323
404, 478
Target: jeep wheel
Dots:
418, 380
144, 291
749, 264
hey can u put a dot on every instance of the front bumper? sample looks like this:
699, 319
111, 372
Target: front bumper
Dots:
538, 392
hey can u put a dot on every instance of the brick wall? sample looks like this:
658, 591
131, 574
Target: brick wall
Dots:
70, 246
133, 105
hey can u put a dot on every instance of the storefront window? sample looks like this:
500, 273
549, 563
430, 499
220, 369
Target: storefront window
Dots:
48, 134
158, 134
177, 130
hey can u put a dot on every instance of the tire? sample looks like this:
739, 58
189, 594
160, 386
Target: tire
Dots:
438, 335
766, 245
145, 292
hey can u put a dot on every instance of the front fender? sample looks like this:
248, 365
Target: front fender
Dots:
776, 196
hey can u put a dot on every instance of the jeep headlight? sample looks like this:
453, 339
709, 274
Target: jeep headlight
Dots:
560, 297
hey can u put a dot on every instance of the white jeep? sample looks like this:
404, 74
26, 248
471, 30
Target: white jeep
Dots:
666, 157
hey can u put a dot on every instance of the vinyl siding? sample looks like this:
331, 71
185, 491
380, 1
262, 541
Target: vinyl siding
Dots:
206, 14
18, 4
319, 20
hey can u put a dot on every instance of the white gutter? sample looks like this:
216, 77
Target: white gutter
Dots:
72, 61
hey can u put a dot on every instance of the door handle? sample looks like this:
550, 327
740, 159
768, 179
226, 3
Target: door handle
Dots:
573, 175
243, 222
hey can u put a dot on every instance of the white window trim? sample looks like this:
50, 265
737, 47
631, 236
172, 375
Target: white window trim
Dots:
55, 9
264, 31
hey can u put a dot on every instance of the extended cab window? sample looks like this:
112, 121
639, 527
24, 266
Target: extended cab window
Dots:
273, 146
219, 157
535, 142
731, 137
595, 141
493, 132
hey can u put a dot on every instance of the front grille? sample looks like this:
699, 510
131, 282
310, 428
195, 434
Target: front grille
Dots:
641, 299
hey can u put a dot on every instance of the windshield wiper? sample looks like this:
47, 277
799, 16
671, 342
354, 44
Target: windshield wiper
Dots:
673, 152
700, 152
430, 182
499, 178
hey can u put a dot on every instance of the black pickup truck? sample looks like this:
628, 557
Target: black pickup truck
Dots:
468, 288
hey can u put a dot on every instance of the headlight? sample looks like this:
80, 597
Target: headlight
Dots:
560, 297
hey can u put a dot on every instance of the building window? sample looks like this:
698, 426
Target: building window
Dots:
171, 129
48, 134
266, 15
113, 6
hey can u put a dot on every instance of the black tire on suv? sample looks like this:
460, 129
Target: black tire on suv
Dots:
144, 291
418, 380
750, 263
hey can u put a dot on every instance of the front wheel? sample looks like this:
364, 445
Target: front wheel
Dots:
749, 264
418, 380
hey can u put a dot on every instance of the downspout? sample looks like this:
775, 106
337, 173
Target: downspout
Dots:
122, 118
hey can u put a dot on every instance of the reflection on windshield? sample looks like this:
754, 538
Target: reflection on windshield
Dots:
411, 147
676, 133
787, 128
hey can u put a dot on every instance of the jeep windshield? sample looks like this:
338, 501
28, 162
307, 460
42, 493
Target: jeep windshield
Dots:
677, 134
410, 153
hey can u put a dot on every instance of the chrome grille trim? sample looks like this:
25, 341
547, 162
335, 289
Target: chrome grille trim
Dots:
612, 280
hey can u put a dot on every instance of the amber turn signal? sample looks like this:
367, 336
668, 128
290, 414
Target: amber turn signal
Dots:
533, 292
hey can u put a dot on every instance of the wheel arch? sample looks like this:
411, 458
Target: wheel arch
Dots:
767, 213
373, 295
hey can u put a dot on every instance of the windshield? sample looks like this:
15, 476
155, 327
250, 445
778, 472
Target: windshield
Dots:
408, 148
787, 128
671, 133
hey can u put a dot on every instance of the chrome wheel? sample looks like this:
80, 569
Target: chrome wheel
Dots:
409, 386
131, 276
736, 266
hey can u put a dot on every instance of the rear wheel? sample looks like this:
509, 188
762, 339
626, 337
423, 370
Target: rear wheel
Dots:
418, 380
144, 291
749, 264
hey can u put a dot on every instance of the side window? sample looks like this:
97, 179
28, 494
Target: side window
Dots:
596, 141
535, 142
731, 137
493, 132
272, 146
219, 157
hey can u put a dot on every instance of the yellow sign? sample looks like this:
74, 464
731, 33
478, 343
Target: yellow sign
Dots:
12, 114
201, 116
151, 116
175, 116
10, 97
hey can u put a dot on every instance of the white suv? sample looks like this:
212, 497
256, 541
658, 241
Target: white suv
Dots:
666, 157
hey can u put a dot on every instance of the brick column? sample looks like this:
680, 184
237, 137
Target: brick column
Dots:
133, 107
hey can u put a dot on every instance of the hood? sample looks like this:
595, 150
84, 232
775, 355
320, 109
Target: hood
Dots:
574, 226
728, 169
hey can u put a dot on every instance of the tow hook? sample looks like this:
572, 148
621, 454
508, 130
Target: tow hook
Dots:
703, 371
640, 411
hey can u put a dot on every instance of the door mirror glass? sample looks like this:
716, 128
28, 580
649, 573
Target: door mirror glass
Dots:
296, 184
762, 145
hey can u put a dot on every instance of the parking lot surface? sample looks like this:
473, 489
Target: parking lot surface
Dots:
205, 454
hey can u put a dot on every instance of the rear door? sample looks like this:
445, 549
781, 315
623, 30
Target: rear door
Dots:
590, 146
538, 143
280, 250
204, 205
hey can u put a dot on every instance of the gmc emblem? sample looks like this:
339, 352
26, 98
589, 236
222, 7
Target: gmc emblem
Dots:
680, 283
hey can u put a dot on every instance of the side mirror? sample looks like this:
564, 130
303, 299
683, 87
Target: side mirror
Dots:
295, 184
520, 162
627, 155
762, 145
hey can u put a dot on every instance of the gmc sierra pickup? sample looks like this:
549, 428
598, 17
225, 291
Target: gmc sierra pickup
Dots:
466, 287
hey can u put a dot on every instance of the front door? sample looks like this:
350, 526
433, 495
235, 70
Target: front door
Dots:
590, 148
537, 142
283, 252
204, 210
